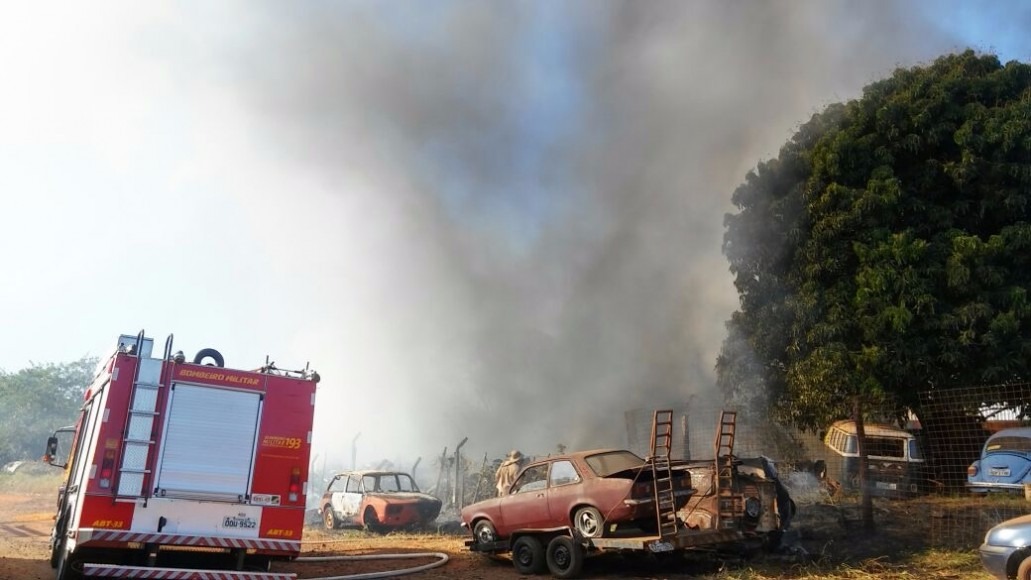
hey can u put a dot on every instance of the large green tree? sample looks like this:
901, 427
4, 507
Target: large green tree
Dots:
36, 400
887, 249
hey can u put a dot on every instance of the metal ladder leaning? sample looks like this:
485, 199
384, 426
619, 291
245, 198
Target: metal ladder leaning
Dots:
138, 444
662, 474
729, 503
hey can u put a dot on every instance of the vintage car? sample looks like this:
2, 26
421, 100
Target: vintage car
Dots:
1005, 463
589, 491
1004, 552
895, 464
379, 501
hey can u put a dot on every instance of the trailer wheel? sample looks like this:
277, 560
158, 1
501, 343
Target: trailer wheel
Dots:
528, 555
565, 557
589, 523
330, 519
209, 352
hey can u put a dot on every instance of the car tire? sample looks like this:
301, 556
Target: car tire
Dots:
588, 522
1024, 571
484, 532
329, 519
565, 557
528, 555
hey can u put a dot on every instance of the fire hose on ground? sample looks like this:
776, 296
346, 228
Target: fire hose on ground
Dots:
442, 559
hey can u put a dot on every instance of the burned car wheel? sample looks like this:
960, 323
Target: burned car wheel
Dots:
528, 555
372, 523
484, 532
588, 522
329, 519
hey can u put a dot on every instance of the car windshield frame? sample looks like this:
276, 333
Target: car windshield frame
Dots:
610, 462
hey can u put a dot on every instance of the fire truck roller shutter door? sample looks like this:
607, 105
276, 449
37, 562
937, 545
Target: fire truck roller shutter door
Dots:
209, 352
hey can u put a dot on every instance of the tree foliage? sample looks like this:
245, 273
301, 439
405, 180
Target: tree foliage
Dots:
885, 250
37, 400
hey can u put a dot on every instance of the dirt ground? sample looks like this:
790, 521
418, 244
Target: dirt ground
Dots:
835, 550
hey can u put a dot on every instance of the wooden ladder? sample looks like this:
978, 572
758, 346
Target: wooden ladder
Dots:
729, 502
662, 474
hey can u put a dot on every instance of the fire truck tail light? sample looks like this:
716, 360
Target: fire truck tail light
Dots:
107, 468
295, 483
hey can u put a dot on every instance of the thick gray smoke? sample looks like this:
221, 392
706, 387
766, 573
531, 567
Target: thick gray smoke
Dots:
526, 199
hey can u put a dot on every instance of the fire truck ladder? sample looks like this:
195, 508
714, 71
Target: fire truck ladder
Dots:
662, 474
729, 503
139, 443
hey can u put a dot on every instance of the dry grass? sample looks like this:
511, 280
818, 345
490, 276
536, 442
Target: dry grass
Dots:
45, 480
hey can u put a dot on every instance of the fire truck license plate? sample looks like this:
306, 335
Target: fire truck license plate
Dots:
239, 522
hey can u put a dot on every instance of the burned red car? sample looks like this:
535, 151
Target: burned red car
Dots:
589, 491
379, 501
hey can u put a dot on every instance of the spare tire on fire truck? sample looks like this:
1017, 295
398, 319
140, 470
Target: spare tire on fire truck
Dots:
209, 353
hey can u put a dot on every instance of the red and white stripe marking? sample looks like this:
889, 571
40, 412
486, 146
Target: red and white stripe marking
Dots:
114, 571
98, 535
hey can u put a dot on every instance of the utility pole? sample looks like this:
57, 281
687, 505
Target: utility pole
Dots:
459, 489
354, 451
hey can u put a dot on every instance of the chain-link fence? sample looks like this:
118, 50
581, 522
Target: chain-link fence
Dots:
925, 467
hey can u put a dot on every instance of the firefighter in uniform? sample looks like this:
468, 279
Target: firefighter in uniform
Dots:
507, 471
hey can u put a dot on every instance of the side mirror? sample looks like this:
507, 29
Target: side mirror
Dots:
51, 453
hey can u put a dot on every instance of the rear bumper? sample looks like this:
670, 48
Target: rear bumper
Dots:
123, 538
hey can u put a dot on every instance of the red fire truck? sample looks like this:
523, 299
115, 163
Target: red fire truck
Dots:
181, 469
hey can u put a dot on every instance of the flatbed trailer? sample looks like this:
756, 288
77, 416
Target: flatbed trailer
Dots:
725, 504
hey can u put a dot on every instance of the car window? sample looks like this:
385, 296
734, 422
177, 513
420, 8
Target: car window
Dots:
406, 482
388, 483
850, 445
534, 478
605, 464
370, 483
352, 484
562, 473
914, 450
1008, 443
886, 447
338, 483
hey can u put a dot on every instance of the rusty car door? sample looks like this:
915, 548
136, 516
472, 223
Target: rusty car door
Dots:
527, 505
565, 490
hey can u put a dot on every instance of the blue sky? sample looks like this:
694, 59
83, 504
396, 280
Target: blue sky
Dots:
460, 209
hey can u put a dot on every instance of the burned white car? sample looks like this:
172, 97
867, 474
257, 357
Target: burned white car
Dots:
379, 501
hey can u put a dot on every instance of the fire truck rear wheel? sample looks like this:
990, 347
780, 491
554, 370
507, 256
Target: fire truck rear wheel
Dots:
67, 564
